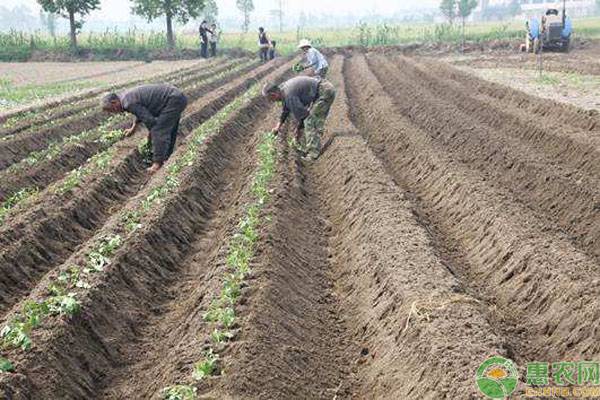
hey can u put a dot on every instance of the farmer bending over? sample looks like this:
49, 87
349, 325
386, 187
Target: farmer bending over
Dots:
309, 99
159, 107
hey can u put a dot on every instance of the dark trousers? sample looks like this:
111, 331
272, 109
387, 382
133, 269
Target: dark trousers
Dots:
204, 50
264, 54
213, 49
164, 132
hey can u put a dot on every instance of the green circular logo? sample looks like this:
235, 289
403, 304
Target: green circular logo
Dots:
497, 377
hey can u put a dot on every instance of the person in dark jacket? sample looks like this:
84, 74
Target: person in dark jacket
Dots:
204, 31
159, 107
263, 44
309, 100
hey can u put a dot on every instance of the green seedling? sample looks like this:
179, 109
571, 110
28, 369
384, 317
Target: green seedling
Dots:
218, 336
206, 367
64, 305
227, 317
16, 335
214, 312
20, 197
231, 289
145, 150
34, 313
179, 392
5, 365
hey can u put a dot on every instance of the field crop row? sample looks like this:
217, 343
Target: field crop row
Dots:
62, 292
101, 138
241, 249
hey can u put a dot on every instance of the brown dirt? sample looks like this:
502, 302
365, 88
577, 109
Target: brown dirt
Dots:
122, 302
43, 73
51, 228
73, 155
348, 310
41, 116
496, 245
15, 149
449, 219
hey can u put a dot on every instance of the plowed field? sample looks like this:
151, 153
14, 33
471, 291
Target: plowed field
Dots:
449, 219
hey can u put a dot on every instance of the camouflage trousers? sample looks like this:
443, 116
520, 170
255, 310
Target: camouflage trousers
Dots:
314, 124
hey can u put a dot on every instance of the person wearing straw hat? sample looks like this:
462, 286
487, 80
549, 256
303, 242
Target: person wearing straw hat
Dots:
314, 59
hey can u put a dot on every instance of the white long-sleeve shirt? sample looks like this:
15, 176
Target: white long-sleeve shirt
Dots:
315, 60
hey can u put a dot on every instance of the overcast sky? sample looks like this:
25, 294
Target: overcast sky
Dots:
118, 10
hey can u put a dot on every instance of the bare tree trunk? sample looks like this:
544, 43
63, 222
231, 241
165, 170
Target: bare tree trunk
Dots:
246, 21
73, 34
170, 36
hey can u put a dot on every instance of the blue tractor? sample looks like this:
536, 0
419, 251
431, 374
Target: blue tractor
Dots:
553, 32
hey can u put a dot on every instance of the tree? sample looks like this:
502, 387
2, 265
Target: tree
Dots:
448, 9
69, 9
210, 12
48, 21
465, 8
181, 10
246, 7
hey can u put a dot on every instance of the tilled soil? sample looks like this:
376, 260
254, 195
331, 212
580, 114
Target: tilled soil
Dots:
16, 147
448, 219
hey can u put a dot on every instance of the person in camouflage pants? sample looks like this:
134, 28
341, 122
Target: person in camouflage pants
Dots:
309, 100
314, 124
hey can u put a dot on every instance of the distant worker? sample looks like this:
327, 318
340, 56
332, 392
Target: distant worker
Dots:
213, 39
263, 44
313, 59
204, 31
272, 50
159, 107
309, 100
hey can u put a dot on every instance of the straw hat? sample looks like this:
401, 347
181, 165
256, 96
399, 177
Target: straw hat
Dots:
304, 43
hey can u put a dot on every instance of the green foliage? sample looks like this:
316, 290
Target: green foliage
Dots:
11, 96
246, 7
179, 392
17, 198
448, 9
210, 12
5, 365
183, 10
97, 162
219, 336
16, 335
466, 7
206, 367
68, 9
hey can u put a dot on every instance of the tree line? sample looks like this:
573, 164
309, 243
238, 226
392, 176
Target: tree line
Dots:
171, 10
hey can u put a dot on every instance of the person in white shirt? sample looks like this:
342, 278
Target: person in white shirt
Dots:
314, 59
213, 39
